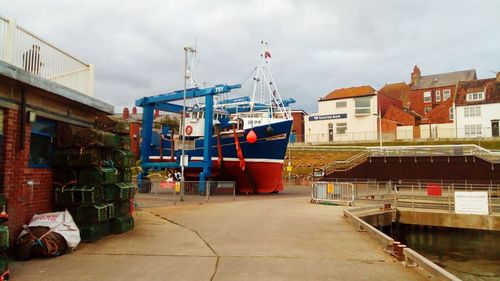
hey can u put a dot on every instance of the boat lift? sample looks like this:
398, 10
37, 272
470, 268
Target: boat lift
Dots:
163, 102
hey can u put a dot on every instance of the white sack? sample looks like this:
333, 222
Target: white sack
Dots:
60, 222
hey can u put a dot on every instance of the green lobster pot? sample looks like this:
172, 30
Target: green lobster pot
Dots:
64, 176
123, 158
94, 214
64, 195
122, 224
94, 232
87, 194
112, 124
4, 263
4, 237
122, 208
125, 143
79, 157
87, 137
125, 175
98, 175
61, 157
118, 191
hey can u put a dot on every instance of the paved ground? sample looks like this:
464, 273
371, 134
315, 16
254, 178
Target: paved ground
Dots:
270, 237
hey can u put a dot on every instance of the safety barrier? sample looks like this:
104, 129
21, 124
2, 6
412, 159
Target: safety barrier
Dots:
333, 192
160, 192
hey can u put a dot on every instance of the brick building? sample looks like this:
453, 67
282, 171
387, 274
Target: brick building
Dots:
37, 93
435, 93
298, 125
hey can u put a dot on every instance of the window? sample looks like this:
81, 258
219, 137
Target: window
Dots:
362, 106
42, 134
472, 111
427, 109
475, 96
341, 128
427, 97
446, 94
438, 95
473, 130
340, 104
451, 114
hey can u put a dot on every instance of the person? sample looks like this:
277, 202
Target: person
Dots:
177, 176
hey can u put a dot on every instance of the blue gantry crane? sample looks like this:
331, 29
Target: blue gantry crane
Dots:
163, 102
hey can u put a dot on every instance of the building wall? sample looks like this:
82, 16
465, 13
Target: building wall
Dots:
23, 199
384, 102
359, 128
489, 112
298, 125
30, 190
404, 133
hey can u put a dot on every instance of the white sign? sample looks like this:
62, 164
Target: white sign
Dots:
471, 202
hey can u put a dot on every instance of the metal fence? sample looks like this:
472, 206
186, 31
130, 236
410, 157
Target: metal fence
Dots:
25, 50
415, 194
400, 135
333, 192
160, 192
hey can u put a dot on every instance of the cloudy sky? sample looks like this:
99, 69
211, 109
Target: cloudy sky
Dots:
316, 46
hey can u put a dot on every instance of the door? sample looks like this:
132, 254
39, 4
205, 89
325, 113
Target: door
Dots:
330, 132
494, 128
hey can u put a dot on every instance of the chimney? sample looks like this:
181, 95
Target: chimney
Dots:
415, 75
134, 110
498, 77
125, 113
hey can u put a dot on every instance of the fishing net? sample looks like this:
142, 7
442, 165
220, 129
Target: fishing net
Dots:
40, 241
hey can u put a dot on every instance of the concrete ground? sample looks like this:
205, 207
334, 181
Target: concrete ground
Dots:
264, 237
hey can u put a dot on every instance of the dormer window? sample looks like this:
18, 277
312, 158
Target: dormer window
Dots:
477, 96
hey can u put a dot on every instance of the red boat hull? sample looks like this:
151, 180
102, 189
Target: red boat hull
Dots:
258, 177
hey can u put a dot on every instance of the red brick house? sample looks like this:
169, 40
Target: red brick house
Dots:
435, 93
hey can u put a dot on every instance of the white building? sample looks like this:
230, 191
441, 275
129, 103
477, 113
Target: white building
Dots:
344, 115
477, 107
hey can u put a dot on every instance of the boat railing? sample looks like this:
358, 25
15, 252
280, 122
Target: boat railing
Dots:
25, 50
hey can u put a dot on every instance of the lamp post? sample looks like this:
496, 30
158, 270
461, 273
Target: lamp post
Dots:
187, 49
379, 117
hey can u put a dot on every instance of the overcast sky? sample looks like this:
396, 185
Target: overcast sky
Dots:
316, 46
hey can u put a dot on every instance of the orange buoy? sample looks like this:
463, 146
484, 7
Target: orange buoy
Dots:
251, 137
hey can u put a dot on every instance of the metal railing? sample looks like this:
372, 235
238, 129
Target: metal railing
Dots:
432, 150
422, 133
414, 193
160, 192
332, 192
25, 50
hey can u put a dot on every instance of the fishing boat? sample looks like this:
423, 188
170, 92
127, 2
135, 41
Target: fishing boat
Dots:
249, 136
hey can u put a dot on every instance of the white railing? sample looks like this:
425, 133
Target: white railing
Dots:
433, 150
25, 50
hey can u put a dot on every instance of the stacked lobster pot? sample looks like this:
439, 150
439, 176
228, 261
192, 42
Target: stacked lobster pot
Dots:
93, 177
4, 240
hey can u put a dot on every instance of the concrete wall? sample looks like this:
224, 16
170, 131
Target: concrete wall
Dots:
404, 133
